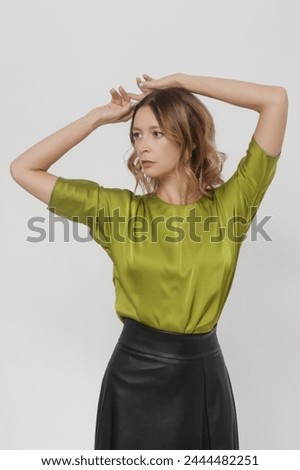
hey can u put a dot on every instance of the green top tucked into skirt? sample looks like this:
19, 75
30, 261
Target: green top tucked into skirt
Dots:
173, 264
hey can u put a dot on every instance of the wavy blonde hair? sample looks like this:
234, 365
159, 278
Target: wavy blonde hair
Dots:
185, 120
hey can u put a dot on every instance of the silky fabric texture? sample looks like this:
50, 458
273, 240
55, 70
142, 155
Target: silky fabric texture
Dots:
165, 390
161, 250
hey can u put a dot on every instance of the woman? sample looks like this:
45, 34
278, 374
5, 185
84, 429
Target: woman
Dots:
174, 251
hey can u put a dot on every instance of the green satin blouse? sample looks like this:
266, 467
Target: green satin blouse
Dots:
173, 265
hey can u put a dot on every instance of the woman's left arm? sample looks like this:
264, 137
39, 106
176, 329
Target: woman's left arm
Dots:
269, 101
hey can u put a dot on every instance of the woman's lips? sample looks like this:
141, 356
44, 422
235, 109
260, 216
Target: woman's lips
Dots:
147, 163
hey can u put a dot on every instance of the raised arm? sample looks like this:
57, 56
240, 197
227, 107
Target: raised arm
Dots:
29, 170
269, 101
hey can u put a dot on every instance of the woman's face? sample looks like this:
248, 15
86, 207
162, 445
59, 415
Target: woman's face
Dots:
152, 144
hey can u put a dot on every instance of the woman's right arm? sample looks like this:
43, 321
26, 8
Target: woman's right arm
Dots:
30, 169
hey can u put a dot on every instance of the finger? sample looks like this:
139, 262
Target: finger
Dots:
116, 98
143, 85
124, 94
140, 84
134, 96
115, 94
147, 77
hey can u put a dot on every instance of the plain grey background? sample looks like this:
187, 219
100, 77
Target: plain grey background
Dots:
58, 324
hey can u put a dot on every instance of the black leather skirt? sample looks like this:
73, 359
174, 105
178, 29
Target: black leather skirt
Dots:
165, 390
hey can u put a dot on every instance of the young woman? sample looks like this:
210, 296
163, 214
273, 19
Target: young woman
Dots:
174, 251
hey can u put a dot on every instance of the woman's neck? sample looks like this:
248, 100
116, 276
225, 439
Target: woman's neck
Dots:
172, 195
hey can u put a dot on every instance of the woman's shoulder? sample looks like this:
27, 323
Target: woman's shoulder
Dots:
120, 197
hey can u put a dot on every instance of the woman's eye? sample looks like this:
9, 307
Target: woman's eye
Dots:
135, 135
158, 134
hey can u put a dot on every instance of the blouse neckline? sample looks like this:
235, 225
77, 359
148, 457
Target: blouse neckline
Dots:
192, 204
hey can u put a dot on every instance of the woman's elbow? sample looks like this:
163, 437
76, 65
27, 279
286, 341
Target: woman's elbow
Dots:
12, 170
281, 96
16, 171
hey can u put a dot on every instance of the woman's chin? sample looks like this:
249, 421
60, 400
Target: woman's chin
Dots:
150, 172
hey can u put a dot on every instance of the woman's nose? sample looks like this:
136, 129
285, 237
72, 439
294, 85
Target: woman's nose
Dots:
143, 145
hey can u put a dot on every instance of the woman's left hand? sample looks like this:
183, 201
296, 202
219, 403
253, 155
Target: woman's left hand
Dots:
149, 84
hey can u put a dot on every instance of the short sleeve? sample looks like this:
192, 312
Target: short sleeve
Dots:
84, 201
75, 199
240, 196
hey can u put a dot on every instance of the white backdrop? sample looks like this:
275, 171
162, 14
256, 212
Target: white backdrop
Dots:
58, 324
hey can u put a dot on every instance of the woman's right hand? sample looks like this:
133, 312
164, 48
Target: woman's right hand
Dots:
120, 108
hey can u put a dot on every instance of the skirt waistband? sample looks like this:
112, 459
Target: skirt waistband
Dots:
144, 338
